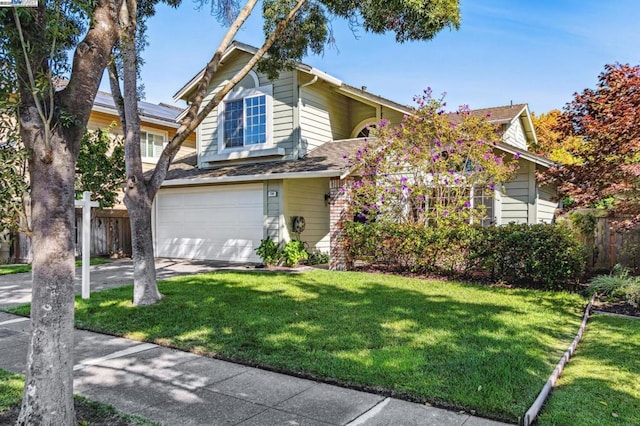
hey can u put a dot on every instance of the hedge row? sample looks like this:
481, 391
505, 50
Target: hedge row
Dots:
545, 256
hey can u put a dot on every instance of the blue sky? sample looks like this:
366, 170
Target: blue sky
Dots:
537, 51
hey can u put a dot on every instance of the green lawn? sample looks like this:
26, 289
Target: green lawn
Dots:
87, 412
453, 344
18, 269
10, 390
601, 383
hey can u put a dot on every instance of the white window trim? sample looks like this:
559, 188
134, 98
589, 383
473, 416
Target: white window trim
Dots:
267, 91
367, 122
156, 132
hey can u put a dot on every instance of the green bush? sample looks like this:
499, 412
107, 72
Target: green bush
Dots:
547, 256
293, 252
269, 252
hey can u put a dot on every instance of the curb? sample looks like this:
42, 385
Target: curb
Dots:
532, 413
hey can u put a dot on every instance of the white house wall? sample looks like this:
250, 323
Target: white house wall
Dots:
305, 197
324, 116
283, 107
515, 135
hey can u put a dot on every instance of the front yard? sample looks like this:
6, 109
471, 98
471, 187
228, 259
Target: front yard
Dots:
601, 383
486, 350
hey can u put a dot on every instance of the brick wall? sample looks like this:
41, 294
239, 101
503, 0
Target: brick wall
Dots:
338, 214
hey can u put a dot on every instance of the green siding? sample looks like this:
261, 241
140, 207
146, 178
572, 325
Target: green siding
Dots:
282, 111
273, 224
515, 199
547, 202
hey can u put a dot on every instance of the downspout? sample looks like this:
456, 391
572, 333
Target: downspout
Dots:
299, 142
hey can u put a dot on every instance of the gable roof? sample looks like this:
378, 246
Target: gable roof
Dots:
351, 91
501, 115
327, 160
161, 114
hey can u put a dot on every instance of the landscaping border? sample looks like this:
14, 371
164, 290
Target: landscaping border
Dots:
532, 412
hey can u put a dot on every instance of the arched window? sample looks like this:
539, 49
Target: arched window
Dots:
361, 130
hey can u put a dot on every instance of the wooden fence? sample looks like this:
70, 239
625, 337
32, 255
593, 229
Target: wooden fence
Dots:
110, 236
611, 246
110, 233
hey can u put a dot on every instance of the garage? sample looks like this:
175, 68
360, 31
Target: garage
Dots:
213, 223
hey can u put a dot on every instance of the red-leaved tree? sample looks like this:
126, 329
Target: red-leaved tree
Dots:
607, 119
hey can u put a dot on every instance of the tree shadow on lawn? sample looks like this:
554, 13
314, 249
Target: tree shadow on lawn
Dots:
476, 352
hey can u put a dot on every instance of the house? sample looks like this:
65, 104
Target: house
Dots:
110, 227
273, 151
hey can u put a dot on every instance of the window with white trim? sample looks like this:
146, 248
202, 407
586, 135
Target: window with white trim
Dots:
244, 116
151, 145
245, 122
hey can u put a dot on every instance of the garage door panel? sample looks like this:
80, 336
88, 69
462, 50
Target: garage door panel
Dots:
210, 223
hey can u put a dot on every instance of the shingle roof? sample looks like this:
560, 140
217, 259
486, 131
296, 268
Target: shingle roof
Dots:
496, 115
327, 158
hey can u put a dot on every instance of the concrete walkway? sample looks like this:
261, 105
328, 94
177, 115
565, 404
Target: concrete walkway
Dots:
179, 388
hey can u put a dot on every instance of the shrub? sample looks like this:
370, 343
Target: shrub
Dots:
293, 252
317, 258
269, 252
617, 285
547, 256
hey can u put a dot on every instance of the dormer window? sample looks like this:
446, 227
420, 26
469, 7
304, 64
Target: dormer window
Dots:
244, 116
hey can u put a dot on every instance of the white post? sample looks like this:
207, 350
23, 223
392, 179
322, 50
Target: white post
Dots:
86, 205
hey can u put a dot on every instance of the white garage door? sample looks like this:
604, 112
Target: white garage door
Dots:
215, 223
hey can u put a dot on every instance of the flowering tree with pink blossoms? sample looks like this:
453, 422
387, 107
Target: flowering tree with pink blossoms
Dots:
433, 169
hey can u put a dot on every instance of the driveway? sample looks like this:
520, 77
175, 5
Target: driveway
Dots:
15, 289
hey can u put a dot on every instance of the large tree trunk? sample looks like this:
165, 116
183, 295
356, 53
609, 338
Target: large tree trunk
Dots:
48, 391
138, 198
53, 145
145, 290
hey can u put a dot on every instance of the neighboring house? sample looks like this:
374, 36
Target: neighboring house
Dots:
274, 150
110, 227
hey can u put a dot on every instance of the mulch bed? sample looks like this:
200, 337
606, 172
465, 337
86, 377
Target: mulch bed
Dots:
616, 307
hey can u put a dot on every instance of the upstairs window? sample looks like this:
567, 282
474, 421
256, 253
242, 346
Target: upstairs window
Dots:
245, 122
151, 145
244, 116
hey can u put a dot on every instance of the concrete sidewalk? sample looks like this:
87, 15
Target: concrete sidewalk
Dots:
180, 388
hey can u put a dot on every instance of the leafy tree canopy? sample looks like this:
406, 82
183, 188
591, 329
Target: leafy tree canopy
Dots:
551, 141
606, 119
310, 30
100, 168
